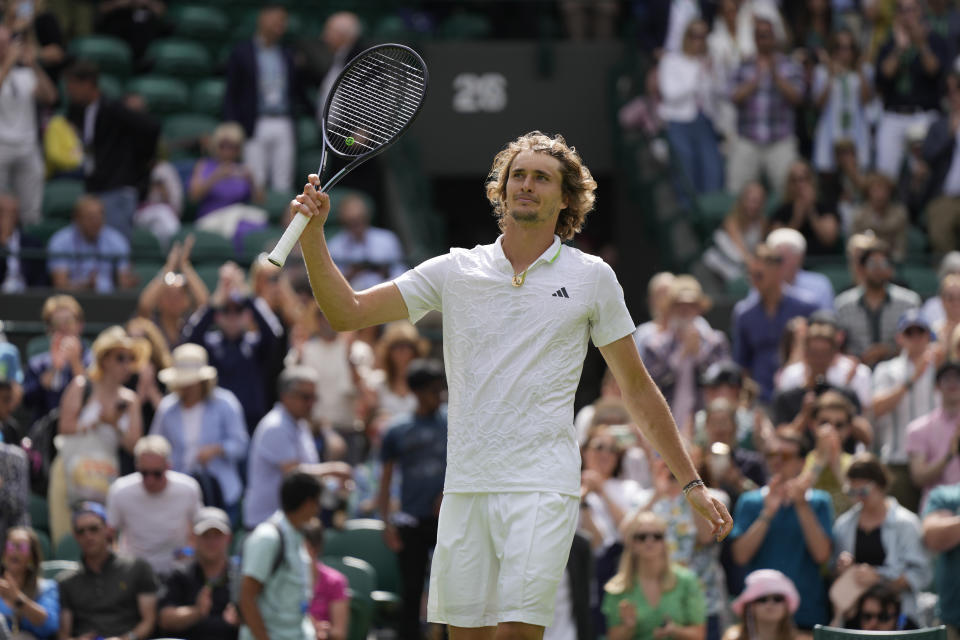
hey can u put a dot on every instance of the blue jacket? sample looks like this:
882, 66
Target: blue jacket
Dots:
222, 424
240, 99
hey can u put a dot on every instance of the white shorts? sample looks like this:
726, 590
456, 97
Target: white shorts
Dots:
499, 557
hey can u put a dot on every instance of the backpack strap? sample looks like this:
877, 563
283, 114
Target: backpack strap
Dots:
281, 550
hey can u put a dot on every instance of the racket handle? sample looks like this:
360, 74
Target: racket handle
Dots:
289, 238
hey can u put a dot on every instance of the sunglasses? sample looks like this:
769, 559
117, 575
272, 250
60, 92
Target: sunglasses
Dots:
776, 598
875, 617
599, 446
123, 357
310, 397
836, 424
22, 547
862, 492
79, 531
643, 536
152, 473
915, 332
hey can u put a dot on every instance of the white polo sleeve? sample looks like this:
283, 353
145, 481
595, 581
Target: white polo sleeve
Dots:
609, 320
422, 286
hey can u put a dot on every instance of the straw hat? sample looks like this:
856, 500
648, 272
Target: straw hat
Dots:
189, 367
686, 288
112, 339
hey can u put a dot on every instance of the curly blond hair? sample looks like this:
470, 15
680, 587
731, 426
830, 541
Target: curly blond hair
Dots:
578, 183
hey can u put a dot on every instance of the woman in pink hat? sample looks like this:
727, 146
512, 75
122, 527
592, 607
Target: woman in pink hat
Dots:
765, 607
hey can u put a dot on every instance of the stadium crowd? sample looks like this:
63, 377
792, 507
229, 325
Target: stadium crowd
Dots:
201, 469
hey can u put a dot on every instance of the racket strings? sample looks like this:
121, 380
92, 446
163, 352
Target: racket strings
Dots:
376, 98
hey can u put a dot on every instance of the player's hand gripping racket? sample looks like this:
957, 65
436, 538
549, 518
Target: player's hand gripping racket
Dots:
373, 100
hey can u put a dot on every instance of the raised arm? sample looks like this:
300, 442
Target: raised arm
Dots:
649, 410
345, 308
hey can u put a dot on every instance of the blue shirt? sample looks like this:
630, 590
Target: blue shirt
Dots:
278, 439
783, 549
947, 570
812, 287
10, 368
71, 251
418, 446
38, 397
48, 597
756, 336
271, 81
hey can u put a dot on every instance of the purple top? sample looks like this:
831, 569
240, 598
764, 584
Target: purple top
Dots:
224, 192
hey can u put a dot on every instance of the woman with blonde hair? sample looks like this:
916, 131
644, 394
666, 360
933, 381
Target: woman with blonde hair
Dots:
741, 231
399, 345
766, 607
29, 602
650, 597
146, 385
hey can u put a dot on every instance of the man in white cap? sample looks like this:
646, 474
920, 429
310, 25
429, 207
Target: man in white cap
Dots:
195, 599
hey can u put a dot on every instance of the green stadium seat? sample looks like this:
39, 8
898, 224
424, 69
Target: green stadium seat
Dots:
738, 288
308, 162
361, 578
838, 273
180, 58
186, 133
921, 278
45, 228
111, 86
68, 549
38, 344
45, 545
210, 274
465, 26
308, 133
53, 568
200, 22
208, 95
111, 55
164, 94
39, 510
363, 538
711, 209
208, 247
59, 197
259, 241
144, 245
145, 270
821, 632
276, 203
916, 241
392, 28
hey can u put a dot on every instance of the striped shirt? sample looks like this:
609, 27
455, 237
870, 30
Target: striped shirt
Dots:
867, 327
766, 116
919, 400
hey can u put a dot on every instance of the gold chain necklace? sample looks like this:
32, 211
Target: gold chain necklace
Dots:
519, 278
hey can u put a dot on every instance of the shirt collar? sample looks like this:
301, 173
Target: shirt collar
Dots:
548, 257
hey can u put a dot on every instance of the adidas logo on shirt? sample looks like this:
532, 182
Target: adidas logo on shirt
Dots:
561, 293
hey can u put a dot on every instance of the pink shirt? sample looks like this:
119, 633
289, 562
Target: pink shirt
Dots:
929, 436
331, 586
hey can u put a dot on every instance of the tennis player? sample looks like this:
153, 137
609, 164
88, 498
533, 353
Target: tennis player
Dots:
517, 315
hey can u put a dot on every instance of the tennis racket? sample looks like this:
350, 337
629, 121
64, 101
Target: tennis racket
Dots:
371, 103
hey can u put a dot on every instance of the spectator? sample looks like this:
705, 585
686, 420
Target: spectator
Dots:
145, 381
203, 424
933, 440
35, 21
15, 476
89, 254
809, 286
933, 307
766, 608
941, 532
330, 606
262, 95
726, 380
274, 603
29, 602
830, 431
741, 231
49, 372
417, 447
904, 390
195, 600
649, 594
884, 216
678, 356
869, 313
99, 418
878, 609
341, 42
917, 183
23, 264
111, 595
23, 86
759, 321
734, 469
940, 151
770, 522
161, 207
844, 188
138, 24
725, 57
272, 290
765, 91
842, 88
588, 415
400, 345
153, 509
174, 293
658, 301
910, 67
367, 255
686, 85
281, 443
119, 145
690, 543
223, 187
240, 338
10, 394
878, 539
822, 361
804, 212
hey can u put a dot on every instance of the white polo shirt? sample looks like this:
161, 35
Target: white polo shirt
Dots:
513, 360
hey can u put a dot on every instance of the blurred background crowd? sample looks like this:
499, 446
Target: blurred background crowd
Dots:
798, 173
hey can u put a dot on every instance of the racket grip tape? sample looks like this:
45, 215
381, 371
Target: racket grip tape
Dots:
289, 238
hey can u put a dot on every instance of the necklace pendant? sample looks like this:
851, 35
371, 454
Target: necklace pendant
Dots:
517, 279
